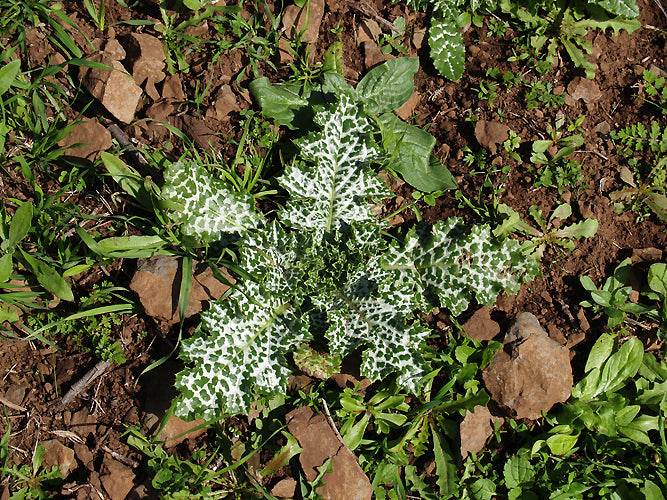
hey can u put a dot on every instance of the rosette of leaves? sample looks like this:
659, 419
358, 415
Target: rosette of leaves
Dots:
331, 279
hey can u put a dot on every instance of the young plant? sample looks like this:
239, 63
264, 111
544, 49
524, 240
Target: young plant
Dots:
332, 280
655, 88
549, 231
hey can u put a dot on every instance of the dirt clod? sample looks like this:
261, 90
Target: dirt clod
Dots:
480, 326
491, 133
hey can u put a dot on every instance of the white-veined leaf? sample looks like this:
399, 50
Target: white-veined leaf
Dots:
447, 48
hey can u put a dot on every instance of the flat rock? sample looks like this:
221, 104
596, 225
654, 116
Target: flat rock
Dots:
475, 429
373, 55
532, 372
157, 287
202, 135
491, 133
145, 59
113, 88
480, 326
92, 138
284, 488
119, 481
584, 89
295, 18
408, 109
346, 479
225, 103
59, 455
115, 50
176, 430
650, 254
172, 88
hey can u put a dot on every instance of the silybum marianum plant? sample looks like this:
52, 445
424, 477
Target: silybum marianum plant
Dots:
323, 273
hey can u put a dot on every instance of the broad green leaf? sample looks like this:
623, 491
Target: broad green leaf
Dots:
388, 86
483, 489
207, 207
6, 267
333, 191
447, 48
637, 430
277, 102
458, 262
657, 278
355, 433
560, 444
8, 315
241, 351
623, 8
21, 224
652, 491
126, 177
49, 278
561, 212
132, 247
587, 283
600, 351
518, 471
333, 59
584, 229
658, 203
410, 149
8, 74
445, 467
448, 8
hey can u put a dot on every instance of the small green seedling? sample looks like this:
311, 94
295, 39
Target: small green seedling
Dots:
549, 231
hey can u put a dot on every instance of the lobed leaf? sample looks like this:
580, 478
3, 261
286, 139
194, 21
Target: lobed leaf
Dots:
207, 207
447, 48
333, 191
241, 353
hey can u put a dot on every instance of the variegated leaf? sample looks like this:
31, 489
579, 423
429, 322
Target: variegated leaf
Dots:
205, 206
447, 48
241, 353
333, 190
457, 263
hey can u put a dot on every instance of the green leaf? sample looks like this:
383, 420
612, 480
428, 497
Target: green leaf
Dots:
657, 278
658, 203
622, 365
240, 351
277, 102
8, 74
584, 229
447, 48
132, 247
334, 190
652, 491
21, 224
410, 150
483, 489
355, 433
623, 8
388, 86
333, 59
600, 351
458, 262
518, 471
6, 267
48, 277
126, 177
207, 207
445, 466
8, 315
560, 444
282, 457
637, 430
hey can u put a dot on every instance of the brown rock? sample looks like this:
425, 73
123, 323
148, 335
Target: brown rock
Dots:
584, 89
284, 488
145, 57
119, 481
84, 455
346, 479
115, 50
225, 103
202, 135
83, 423
373, 55
16, 393
651, 255
173, 89
368, 30
176, 430
480, 326
490, 134
155, 283
92, 137
407, 110
59, 455
475, 430
114, 88
535, 376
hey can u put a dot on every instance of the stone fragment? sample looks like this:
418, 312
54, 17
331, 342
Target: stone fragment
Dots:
602, 128
59, 455
202, 135
115, 50
373, 55
531, 373
284, 488
16, 393
83, 423
172, 88
650, 255
295, 20
114, 88
346, 479
490, 134
584, 89
119, 481
145, 57
176, 430
225, 103
84, 455
157, 287
480, 326
407, 110
92, 137
475, 429
368, 30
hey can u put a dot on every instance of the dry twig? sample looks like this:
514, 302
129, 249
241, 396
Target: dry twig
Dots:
368, 10
81, 385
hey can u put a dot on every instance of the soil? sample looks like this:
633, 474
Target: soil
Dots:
35, 376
